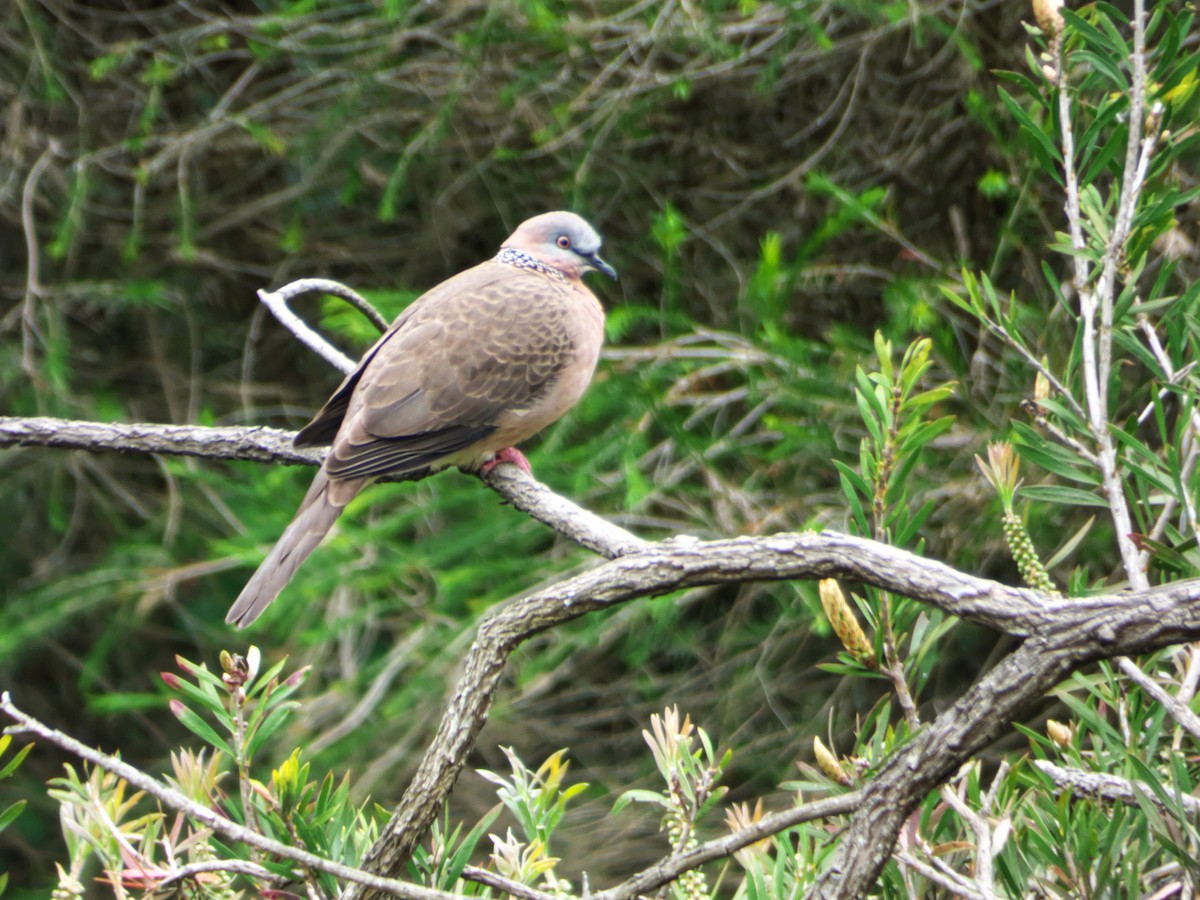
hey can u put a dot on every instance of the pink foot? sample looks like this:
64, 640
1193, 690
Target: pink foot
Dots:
507, 455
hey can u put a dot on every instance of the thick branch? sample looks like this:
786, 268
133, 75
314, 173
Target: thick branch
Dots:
1069, 632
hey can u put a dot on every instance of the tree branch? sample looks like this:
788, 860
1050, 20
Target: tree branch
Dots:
1111, 787
277, 302
273, 445
168, 796
256, 444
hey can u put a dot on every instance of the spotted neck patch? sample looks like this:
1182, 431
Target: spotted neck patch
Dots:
522, 260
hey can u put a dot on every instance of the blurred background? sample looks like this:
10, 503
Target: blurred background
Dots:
774, 181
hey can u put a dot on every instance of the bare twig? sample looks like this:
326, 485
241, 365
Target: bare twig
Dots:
277, 302
1057, 435
951, 882
1190, 448
984, 883
190, 870
257, 444
1097, 298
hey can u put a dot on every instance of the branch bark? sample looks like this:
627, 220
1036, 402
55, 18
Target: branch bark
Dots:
257, 444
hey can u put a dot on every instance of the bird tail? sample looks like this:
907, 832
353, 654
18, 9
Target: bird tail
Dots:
312, 521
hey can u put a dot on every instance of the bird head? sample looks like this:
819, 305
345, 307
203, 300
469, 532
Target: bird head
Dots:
563, 241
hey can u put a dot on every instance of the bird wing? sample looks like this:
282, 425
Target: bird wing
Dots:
490, 341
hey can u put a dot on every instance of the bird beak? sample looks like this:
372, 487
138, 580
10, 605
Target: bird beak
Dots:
601, 266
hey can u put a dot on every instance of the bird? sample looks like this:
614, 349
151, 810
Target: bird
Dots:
472, 367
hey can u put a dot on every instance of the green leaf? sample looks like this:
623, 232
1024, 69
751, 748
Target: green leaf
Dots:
1071, 543
12, 764
201, 729
1036, 449
1093, 37
867, 414
10, 815
269, 726
1045, 148
1104, 64
867, 390
854, 489
640, 796
910, 528
1034, 89
462, 854
1106, 152
1057, 493
202, 694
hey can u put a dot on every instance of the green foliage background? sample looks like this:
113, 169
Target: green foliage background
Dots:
775, 181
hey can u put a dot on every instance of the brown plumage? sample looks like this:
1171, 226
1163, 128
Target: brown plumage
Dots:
472, 367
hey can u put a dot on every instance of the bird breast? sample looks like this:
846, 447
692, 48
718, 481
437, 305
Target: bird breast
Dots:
586, 331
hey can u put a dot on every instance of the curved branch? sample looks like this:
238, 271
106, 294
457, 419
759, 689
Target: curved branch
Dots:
277, 302
1111, 787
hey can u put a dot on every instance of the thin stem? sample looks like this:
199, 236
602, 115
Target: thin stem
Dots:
237, 698
892, 666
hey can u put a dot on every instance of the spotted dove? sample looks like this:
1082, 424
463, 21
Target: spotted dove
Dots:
472, 367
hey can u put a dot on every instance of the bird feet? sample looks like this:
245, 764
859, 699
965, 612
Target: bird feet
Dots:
507, 455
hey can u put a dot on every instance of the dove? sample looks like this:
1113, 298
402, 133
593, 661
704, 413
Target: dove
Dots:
471, 368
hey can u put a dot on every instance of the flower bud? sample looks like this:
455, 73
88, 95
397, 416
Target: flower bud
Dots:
1058, 732
1041, 388
845, 623
829, 763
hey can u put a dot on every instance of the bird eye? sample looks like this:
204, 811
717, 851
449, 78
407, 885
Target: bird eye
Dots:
564, 242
